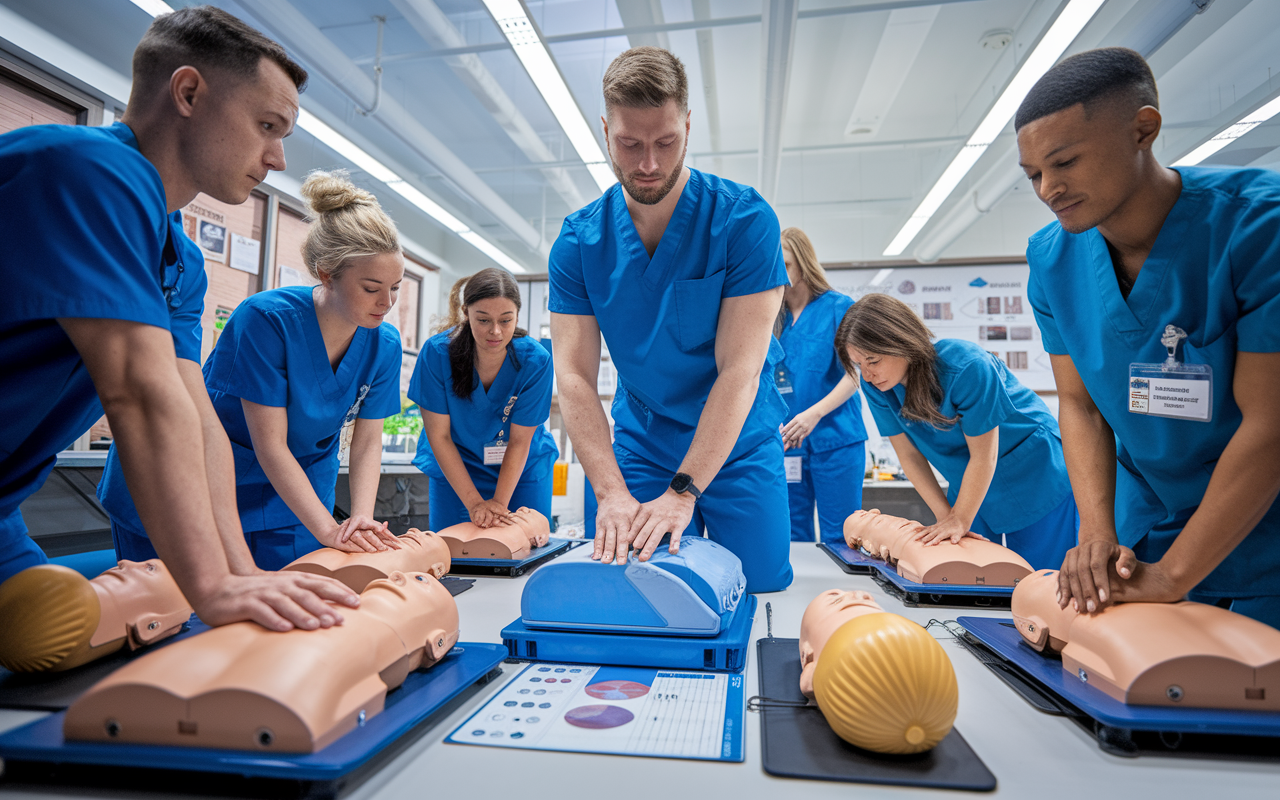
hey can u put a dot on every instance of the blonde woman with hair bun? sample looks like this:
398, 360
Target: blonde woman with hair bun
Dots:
296, 368
824, 440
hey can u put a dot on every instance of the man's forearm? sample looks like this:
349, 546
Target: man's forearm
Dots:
1244, 486
1089, 447
156, 432
588, 428
730, 401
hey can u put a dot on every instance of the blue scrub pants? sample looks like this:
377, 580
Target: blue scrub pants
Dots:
17, 549
744, 509
1045, 542
832, 479
272, 549
445, 508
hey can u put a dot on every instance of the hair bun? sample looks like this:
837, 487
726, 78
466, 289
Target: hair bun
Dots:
327, 192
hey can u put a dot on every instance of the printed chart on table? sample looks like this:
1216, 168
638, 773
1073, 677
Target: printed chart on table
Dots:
615, 710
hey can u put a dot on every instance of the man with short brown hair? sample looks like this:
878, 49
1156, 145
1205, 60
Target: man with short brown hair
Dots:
107, 294
682, 273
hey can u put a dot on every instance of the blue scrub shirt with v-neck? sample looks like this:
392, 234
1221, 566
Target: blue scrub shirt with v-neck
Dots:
272, 353
1031, 477
477, 420
833, 458
1214, 271
814, 368
87, 235
659, 314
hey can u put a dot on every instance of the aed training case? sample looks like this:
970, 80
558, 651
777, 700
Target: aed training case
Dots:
686, 611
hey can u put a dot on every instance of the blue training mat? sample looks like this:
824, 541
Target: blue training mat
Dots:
724, 653
422, 693
513, 567
1000, 637
912, 593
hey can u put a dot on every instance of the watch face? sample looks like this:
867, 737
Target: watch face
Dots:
680, 482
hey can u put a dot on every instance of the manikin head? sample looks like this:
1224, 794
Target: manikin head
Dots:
535, 526
140, 599
1085, 133
433, 625
646, 121
211, 103
878, 534
1036, 614
821, 619
352, 248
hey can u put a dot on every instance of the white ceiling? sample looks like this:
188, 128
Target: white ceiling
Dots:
930, 84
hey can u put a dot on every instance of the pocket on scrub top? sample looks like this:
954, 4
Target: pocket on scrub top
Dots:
698, 310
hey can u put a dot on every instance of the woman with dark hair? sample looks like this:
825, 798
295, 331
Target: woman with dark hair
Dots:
823, 438
955, 406
485, 390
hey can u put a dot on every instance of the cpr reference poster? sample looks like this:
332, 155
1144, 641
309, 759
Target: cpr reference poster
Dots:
614, 710
986, 305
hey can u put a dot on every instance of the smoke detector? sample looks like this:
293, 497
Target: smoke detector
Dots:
996, 40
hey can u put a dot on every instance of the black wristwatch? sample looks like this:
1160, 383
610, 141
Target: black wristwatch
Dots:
682, 483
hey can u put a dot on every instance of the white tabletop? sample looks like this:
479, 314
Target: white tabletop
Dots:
1032, 755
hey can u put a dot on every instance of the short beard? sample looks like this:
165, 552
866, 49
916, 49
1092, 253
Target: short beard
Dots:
647, 196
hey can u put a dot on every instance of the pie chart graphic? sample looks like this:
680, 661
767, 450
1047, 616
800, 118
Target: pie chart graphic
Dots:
598, 717
617, 690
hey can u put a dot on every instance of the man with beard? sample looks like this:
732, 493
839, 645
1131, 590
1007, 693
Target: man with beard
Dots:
683, 273
1144, 264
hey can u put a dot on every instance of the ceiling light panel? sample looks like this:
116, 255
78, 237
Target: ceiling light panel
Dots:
513, 20
1052, 45
1229, 134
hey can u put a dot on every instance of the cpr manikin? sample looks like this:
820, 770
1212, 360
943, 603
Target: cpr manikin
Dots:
524, 530
53, 618
882, 682
419, 551
971, 562
824, 615
243, 687
1164, 654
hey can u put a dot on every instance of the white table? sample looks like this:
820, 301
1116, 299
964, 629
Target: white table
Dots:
1033, 755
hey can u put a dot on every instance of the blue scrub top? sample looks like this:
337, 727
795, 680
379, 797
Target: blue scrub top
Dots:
814, 368
659, 315
524, 394
1214, 271
1031, 476
87, 235
272, 353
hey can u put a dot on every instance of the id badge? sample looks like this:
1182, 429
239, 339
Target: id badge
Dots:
792, 466
494, 452
1173, 389
782, 378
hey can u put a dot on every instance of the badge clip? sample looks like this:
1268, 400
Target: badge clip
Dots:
1172, 389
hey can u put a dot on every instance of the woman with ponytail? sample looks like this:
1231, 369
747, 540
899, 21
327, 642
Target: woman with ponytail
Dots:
299, 374
956, 406
484, 387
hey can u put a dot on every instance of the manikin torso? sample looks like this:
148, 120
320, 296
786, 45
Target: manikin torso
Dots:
420, 551
967, 563
57, 619
243, 687
823, 617
1167, 654
513, 540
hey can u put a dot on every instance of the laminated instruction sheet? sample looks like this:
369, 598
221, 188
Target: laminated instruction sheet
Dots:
616, 710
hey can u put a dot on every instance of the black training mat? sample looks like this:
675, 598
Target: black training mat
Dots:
54, 691
798, 743
457, 586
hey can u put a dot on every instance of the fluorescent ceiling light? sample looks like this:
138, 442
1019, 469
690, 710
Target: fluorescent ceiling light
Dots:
1229, 134
1052, 45
516, 26
154, 7
378, 171
381, 172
